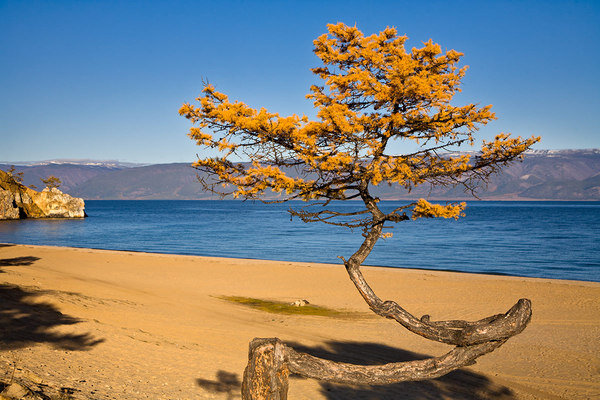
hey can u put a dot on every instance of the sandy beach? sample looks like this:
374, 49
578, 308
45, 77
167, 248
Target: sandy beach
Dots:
124, 325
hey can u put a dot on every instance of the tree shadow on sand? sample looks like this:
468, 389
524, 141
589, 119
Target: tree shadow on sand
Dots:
17, 261
227, 383
458, 385
24, 321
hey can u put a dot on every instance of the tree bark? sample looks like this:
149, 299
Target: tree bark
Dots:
456, 332
270, 361
266, 376
338, 372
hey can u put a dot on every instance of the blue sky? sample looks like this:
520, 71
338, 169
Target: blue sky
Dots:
104, 79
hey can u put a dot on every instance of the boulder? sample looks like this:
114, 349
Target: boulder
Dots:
55, 204
49, 203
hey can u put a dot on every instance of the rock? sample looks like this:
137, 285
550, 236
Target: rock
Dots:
15, 391
8, 206
49, 203
55, 204
300, 303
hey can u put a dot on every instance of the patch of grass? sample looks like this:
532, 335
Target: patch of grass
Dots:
280, 307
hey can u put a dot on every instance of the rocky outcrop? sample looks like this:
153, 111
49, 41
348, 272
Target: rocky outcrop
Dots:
19, 201
55, 204
8, 206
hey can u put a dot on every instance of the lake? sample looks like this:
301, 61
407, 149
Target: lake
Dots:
536, 239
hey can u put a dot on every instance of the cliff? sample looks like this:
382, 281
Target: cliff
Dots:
18, 201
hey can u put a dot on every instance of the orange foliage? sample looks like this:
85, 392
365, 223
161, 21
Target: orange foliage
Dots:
374, 92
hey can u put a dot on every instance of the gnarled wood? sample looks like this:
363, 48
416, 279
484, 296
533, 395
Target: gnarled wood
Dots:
338, 372
266, 376
455, 332
271, 361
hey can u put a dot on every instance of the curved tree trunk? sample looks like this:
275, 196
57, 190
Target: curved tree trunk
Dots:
455, 332
271, 361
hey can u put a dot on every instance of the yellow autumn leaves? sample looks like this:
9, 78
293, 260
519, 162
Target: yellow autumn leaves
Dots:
423, 208
374, 92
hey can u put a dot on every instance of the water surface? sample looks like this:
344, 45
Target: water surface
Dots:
536, 239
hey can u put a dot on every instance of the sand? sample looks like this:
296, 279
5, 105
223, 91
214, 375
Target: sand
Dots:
124, 325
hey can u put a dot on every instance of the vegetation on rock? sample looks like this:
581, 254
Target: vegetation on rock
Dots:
19, 201
51, 182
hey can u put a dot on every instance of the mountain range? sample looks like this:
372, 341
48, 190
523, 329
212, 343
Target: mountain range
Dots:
542, 175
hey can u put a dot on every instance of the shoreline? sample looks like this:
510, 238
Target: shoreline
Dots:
141, 252
116, 324
466, 199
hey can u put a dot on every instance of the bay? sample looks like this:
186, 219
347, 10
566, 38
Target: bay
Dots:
558, 240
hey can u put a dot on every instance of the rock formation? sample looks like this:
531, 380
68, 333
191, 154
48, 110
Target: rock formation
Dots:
19, 201
8, 206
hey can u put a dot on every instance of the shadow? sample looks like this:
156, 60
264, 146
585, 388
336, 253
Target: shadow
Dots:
6, 245
458, 385
24, 321
13, 262
226, 382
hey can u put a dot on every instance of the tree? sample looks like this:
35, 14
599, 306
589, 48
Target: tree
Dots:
17, 176
374, 93
51, 182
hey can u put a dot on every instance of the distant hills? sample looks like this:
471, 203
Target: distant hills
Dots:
543, 175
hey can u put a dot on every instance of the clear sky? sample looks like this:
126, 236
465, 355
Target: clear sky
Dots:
104, 79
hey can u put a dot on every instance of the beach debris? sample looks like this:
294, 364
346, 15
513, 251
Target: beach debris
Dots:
299, 303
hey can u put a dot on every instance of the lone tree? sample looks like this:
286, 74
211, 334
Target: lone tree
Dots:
17, 176
374, 93
51, 182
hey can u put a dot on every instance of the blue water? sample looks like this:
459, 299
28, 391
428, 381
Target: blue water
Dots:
537, 239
